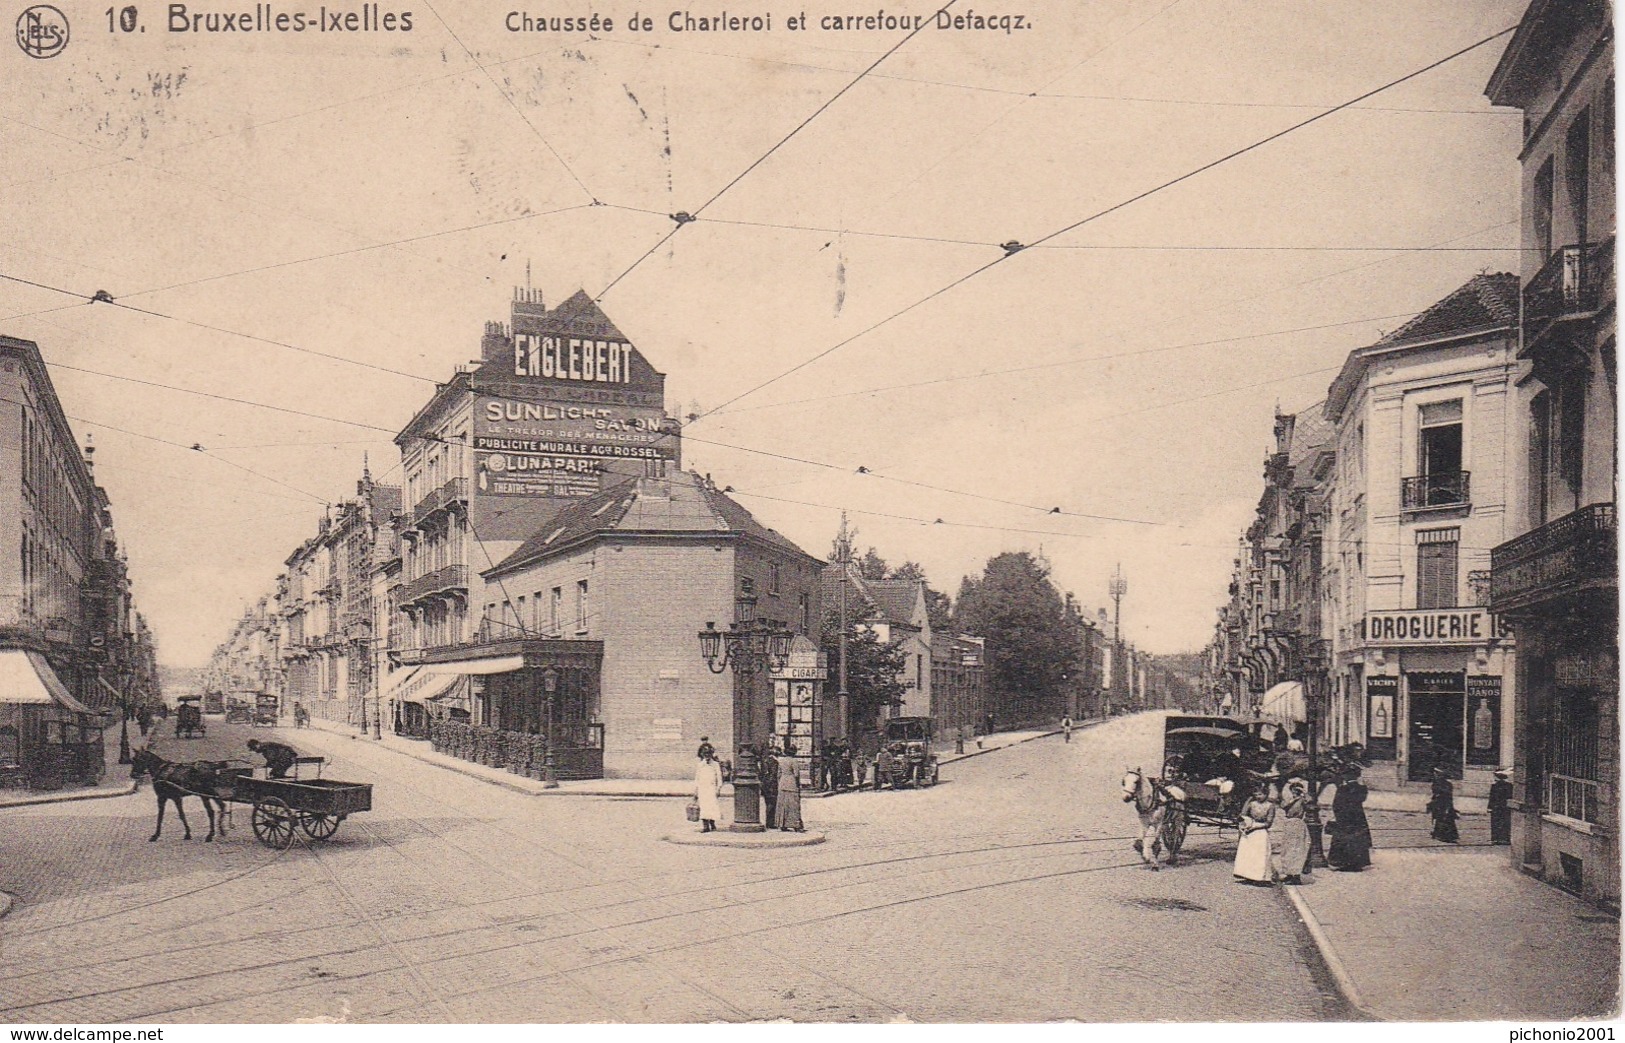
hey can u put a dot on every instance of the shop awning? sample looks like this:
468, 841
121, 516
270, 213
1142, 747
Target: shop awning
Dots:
493, 665
394, 682
25, 677
425, 686
1284, 702
115, 696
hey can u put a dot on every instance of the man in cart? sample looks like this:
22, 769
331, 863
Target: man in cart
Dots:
279, 757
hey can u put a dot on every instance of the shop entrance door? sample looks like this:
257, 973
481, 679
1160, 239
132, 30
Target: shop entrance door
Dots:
1437, 707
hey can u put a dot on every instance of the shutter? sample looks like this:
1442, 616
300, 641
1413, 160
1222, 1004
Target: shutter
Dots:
1436, 575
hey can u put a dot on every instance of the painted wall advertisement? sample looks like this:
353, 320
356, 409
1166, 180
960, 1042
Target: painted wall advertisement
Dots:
554, 450
1381, 693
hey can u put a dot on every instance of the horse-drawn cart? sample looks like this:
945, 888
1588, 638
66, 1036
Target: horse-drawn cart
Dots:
283, 807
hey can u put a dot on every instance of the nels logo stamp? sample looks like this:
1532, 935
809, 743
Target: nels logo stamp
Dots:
42, 31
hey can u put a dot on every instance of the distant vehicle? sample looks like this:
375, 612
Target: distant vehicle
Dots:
189, 717
239, 712
913, 762
265, 710
213, 702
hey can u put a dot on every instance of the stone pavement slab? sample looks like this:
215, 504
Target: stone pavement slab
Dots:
1522, 949
727, 838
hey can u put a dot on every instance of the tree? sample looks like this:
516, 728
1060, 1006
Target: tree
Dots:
874, 669
1032, 644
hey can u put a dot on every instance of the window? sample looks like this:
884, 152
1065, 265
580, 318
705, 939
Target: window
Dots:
1436, 553
536, 612
806, 614
556, 607
1442, 482
1577, 171
773, 577
581, 605
1571, 754
520, 623
1557, 447
1542, 202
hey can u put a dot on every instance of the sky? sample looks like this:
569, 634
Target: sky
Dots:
303, 232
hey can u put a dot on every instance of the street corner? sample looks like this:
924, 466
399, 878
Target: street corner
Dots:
764, 839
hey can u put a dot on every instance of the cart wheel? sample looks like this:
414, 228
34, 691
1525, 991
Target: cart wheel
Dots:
1174, 824
274, 823
320, 827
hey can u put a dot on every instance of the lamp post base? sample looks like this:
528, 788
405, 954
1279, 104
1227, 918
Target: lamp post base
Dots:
747, 794
124, 742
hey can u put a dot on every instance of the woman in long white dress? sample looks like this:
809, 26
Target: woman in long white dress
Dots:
1255, 862
708, 788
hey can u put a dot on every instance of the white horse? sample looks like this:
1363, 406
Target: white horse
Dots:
1151, 805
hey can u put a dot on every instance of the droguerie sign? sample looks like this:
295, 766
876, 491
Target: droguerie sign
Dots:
1449, 626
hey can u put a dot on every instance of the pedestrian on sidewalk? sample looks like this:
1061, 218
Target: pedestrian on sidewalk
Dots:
1066, 727
1351, 833
768, 772
143, 719
990, 722
1255, 861
789, 786
708, 787
1443, 809
1294, 832
1501, 807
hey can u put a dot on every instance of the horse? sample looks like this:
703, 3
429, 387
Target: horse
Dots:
1151, 806
173, 781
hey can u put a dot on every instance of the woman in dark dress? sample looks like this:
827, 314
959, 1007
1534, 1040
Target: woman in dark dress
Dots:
1443, 808
1501, 807
1351, 834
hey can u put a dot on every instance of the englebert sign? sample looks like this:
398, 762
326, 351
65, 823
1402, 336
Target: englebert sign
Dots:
1433, 626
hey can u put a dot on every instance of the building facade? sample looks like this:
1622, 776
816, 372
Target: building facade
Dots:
1554, 582
70, 650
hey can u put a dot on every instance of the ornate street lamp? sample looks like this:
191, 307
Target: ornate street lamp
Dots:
748, 645
550, 764
124, 717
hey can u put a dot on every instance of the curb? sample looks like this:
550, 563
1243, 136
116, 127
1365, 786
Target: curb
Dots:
512, 787
770, 838
1328, 955
103, 794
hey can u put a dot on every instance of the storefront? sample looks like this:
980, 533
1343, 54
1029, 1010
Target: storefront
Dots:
522, 697
53, 740
1435, 686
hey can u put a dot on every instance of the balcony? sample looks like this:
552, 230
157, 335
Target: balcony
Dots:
454, 492
1578, 551
448, 579
1568, 288
1428, 492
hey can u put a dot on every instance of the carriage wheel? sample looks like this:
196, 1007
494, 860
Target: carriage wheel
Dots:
274, 823
1174, 824
320, 827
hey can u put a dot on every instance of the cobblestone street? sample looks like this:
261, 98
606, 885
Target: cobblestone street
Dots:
1008, 893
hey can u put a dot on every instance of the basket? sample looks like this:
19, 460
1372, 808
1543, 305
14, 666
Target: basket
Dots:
693, 811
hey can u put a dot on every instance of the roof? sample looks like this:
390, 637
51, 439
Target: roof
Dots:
1532, 53
1486, 301
1484, 304
683, 503
1311, 431
386, 500
893, 600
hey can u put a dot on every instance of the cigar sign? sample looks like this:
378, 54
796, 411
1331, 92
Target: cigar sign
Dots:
1434, 626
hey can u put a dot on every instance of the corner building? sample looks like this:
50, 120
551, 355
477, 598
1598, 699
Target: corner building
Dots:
1555, 581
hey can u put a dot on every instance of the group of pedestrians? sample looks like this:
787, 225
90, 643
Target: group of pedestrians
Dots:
780, 777
1272, 819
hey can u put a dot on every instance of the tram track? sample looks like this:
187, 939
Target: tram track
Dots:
262, 967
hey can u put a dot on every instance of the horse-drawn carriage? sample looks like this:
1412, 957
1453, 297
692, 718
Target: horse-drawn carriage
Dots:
189, 717
1212, 765
281, 807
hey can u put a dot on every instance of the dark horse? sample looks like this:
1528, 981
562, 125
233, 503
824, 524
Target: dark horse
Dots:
172, 782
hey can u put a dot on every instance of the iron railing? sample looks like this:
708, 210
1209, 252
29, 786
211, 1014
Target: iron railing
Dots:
1568, 285
1576, 550
1441, 489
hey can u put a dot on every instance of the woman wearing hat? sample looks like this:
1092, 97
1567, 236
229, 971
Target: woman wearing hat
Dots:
1351, 834
1443, 808
1501, 807
1293, 829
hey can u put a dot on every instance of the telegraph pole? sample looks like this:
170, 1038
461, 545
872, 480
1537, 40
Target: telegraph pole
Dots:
843, 554
1117, 588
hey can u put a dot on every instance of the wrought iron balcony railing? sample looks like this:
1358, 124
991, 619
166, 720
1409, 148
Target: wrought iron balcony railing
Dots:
1569, 285
1576, 551
454, 491
440, 581
1442, 489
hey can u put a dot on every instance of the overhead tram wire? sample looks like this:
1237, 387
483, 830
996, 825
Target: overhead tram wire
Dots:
682, 218
512, 104
1078, 361
1019, 248
103, 297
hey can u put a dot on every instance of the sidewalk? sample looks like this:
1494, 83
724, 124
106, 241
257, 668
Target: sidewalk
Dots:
419, 749
115, 782
1523, 950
